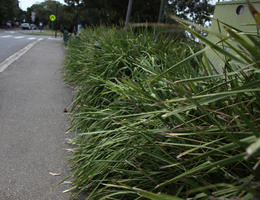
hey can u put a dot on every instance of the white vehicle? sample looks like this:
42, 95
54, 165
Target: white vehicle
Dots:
33, 27
25, 26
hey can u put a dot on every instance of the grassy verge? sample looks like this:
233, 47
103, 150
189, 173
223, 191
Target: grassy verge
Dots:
153, 117
45, 32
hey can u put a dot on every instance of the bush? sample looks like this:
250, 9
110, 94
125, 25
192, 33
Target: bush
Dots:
150, 117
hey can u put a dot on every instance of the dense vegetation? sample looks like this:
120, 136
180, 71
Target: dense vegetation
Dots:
96, 12
154, 119
9, 11
151, 116
65, 14
113, 12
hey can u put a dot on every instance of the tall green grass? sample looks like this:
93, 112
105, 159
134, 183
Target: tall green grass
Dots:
154, 122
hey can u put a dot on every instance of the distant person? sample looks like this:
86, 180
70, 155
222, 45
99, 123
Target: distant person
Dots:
9, 24
41, 25
79, 29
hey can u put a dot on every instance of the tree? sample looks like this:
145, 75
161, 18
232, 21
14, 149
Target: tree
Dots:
45, 9
94, 12
9, 10
196, 10
128, 15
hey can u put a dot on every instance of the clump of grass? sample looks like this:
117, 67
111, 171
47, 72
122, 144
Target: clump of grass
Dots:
151, 117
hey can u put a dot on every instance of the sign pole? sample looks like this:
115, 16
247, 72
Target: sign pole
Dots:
128, 15
56, 20
53, 18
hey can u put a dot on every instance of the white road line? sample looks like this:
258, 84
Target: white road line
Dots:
18, 37
50, 38
32, 38
12, 32
40, 39
6, 36
16, 56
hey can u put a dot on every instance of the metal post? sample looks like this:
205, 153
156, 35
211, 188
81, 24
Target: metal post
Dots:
77, 24
162, 9
52, 25
76, 18
160, 18
128, 15
56, 20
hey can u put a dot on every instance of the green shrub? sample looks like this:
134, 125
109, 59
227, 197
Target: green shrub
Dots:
151, 117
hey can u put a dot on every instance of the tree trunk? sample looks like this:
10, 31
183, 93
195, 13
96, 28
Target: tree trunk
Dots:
128, 15
162, 9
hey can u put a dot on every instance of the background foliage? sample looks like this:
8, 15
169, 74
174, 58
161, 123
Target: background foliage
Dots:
9, 11
95, 12
112, 12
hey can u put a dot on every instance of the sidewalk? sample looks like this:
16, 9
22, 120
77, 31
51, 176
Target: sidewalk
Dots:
32, 125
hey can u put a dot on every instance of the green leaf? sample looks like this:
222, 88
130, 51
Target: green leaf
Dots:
254, 51
193, 56
254, 12
146, 194
205, 166
153, 196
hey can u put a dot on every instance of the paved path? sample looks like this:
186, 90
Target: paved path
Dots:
32, 125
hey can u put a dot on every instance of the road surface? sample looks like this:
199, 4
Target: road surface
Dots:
13, 40
32, 122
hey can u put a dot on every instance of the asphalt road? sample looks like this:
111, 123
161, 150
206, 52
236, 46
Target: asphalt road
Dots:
33, 124
13, 40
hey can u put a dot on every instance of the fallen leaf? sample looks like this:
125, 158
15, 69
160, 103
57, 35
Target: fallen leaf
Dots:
54, 174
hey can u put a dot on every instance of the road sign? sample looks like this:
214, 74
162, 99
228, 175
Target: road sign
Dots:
33, 14
52, 18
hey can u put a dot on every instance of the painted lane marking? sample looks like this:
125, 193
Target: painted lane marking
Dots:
6, 36
18, 37
50, 38
16, 56
32, 38
12, 32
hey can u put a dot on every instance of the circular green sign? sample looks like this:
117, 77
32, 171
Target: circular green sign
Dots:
52, 17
